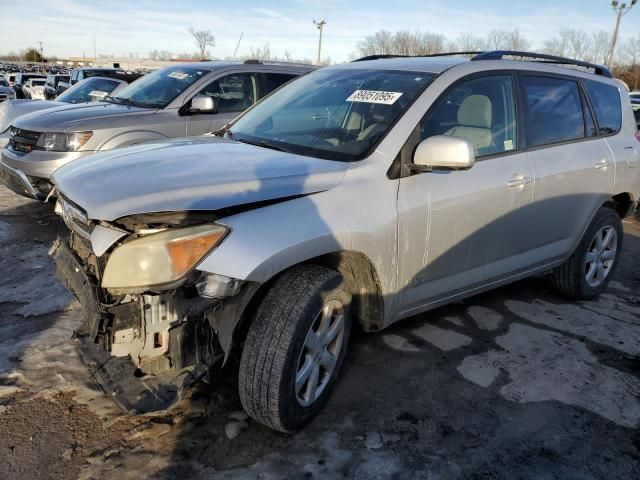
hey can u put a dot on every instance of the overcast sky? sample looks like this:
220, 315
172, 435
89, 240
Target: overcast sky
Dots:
67, 27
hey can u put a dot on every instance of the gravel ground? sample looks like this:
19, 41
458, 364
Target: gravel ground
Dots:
516, 383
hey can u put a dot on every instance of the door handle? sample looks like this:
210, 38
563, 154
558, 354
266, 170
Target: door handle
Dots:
602, 163
519, 181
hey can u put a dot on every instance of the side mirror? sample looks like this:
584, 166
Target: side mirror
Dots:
202, 104
443, 151
97, 95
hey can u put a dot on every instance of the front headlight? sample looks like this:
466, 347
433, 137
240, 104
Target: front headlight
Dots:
160, 258
62, 142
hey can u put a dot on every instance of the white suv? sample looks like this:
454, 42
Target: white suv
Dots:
366, 192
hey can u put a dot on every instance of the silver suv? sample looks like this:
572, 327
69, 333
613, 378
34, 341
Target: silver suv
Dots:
175, 101
361, 193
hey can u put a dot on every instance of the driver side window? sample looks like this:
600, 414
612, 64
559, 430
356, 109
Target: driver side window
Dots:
481, 110
232, 93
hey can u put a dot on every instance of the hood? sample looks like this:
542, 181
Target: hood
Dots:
4, 89
12, 109
82, 116
190, 174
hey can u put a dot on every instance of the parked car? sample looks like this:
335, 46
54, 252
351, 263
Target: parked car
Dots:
366, 192
11, 78
89, 90
34, 89
175, 101
6, 92
635, 95
52, 87
21, 79
635, 105
79, 74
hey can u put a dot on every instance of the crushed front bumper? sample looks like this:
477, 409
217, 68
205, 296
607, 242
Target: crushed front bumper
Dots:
126, 383
17, 181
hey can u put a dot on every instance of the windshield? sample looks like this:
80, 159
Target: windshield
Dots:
158, 89
37, 83
337, 114
79, 93
3, 83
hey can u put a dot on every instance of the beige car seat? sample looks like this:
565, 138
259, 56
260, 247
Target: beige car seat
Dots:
474, 121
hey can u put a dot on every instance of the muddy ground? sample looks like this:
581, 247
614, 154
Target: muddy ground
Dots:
516, 383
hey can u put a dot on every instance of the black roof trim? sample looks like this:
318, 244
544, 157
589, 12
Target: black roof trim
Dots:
500, 54
444, 54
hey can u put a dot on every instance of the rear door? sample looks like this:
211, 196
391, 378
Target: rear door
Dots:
574, 166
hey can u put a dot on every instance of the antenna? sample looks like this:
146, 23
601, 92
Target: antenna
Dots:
237, 46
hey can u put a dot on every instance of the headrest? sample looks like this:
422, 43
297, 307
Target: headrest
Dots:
475, 111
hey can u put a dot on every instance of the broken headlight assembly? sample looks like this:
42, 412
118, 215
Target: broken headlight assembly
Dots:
62, 142
160, 258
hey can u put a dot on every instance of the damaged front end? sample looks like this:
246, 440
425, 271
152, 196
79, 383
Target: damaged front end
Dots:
153, 325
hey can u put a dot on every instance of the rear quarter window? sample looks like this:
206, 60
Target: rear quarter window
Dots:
607, 106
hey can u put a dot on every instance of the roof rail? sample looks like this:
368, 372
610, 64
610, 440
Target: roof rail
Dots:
544, 58
253, 61
383, 56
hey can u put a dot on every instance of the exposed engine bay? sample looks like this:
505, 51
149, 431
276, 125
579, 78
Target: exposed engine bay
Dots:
145, 346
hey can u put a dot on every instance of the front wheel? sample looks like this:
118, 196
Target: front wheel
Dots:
295, 347
588, 271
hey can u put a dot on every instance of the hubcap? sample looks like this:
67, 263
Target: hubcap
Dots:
320, 353
600, 256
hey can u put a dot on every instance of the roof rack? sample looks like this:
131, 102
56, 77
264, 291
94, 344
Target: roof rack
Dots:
253, 61
500, 54
383, 56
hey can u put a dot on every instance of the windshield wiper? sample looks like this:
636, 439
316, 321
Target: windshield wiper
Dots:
265, 144
121, 101
226, 130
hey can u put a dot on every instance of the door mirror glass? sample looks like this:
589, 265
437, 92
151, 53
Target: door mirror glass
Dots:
442, 151
97, 95
202, 104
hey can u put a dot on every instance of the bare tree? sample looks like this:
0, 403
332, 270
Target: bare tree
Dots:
631, 55
261, 53
600, 42
401, 43
467, 42
497, 39
507, 40
204, 39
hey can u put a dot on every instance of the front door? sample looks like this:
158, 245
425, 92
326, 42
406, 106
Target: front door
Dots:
232, 94
458, 230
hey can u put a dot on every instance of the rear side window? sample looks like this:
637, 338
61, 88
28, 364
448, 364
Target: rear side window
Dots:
606, 103
271, 81
554, 110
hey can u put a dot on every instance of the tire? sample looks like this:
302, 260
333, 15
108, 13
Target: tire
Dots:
571, 278
276, 347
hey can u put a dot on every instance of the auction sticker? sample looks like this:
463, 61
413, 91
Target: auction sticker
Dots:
178, 75
374, 96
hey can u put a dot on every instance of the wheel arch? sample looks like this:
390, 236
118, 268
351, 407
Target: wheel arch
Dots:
361, 280
623, 203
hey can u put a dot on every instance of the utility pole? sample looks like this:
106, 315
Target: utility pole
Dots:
621, 10
95, 56
41, 57
320, 25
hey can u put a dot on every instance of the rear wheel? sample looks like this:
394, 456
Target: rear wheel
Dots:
588, 271
295, 347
